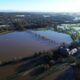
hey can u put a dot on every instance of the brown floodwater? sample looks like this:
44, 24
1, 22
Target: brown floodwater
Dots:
26, 43
20, 44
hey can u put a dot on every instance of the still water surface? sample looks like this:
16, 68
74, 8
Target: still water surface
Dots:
17, 44
22, 44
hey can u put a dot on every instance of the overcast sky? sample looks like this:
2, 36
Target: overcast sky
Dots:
40, 5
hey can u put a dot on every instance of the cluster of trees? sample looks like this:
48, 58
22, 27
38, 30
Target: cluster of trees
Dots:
32, 20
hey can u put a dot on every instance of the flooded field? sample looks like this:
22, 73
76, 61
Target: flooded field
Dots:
54, 37
76, 28
26, 43
20, 44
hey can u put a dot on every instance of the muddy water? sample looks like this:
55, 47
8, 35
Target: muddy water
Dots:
26, 43
20, 44
56, 37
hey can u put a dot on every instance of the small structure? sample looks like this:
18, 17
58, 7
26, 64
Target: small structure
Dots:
73, 51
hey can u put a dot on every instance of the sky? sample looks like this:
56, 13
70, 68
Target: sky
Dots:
40, 5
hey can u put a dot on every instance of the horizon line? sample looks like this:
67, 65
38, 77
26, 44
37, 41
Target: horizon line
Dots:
6, 11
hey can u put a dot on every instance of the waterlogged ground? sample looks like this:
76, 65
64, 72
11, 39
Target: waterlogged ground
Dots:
56, 37
20, 44
26, 43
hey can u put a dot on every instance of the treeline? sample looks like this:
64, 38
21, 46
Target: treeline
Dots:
32, 20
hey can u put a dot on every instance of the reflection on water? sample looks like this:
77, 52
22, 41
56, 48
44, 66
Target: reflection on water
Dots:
57, 37
17, 44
